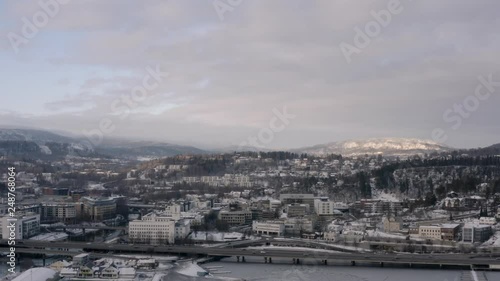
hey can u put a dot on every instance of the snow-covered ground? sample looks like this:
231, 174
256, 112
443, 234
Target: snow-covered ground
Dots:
216, 236
421, 214
158, 277
380, 234
189, 268
383, 195
493, 241
36, 274
45, 149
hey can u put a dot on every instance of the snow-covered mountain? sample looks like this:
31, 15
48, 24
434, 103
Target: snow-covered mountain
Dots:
386, 146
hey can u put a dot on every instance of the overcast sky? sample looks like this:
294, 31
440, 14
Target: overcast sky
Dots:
232, 64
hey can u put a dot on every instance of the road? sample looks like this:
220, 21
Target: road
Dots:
320, 255
87, 227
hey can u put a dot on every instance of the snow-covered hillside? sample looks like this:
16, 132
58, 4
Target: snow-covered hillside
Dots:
386, 146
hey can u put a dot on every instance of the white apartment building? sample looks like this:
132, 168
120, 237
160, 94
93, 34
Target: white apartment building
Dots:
430, 232
173, 211
324, 207
276, 228
182, 229
487, 220
152, 229
26, 226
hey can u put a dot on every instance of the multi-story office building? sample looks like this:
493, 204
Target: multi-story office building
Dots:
297, 198
98, 209
153, 229
64, 212
379, 206
274, 228
173, 211
324, 207
297, 210
298, 226
473, 233
182, 229
430, 232
26, 226
236, 217
449, 231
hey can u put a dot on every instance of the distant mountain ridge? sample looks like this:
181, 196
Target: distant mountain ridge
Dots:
489, 150
146, 149
45, 144
386, 146
37, 136
41, 143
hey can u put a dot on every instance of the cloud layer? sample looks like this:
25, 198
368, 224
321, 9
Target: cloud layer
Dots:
227, 74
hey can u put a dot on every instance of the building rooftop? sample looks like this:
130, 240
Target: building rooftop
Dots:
53, 236
450, 225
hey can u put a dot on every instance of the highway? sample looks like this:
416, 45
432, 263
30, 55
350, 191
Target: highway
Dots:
87, 227
275, 252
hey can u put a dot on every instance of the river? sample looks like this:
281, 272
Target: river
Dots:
279, 271
255, 270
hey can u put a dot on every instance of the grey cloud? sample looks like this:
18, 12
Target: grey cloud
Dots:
267, 54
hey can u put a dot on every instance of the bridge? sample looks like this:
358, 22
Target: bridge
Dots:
83, 227
479, 261
288, 242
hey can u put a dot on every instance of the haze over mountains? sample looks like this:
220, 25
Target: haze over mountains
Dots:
40, 143
27, 142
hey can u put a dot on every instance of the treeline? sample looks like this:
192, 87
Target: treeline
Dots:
207, 167
275, 155
385, 173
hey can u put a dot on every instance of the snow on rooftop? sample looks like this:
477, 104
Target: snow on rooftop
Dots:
127, 271
53, 236
36, 274
215, 236
450, 225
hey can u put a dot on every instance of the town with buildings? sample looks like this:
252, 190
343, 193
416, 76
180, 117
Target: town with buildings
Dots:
249, 140
368, 203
